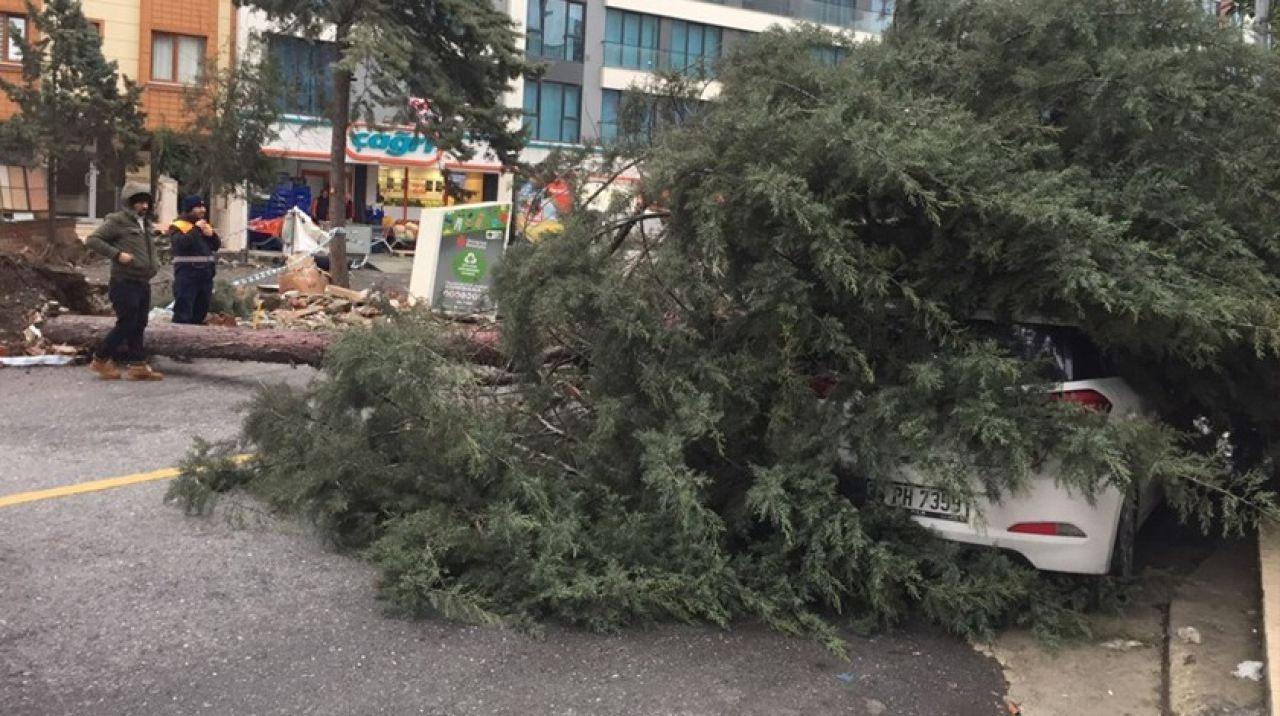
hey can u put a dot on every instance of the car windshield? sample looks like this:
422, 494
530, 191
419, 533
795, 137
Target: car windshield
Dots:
1064, 353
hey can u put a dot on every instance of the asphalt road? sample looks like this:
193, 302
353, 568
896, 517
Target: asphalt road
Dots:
112, 603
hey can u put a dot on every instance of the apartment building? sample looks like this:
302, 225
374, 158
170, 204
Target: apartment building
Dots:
597, 49
161, 44
594, 50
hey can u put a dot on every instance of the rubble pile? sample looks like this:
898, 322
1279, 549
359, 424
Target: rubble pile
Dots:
335, 308
32, 292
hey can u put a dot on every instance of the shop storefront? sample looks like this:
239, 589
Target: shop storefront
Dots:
389, 171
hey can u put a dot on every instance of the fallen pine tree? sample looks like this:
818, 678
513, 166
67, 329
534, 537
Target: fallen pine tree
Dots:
843, 221
480, 344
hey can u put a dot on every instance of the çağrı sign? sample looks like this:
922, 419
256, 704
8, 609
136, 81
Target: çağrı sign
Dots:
372, 145
458, 250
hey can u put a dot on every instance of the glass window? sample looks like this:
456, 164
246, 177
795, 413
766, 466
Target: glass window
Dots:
576, 33
176, 58
306, 73
555, 29
630, 40
15, 26
162, 58
609, 115
552, 111
830, 56
695, 48
190, 53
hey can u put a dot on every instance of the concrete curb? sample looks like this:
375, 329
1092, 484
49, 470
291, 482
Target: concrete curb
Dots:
1269, 569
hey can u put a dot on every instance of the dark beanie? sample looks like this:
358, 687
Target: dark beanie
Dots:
192, 202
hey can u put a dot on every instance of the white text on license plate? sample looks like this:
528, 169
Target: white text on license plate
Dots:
927, 501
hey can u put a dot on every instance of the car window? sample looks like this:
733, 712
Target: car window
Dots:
1065, 353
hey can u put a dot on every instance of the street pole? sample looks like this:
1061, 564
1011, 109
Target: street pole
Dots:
91, 179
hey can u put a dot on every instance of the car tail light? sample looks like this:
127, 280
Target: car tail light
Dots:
1091, 399
1050, 529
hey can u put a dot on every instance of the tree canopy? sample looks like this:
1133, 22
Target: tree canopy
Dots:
71, 100
233, 113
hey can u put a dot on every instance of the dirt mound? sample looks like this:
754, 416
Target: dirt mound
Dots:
29, 291
31, 239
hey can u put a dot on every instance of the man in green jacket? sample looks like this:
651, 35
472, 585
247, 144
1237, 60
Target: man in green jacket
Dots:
126, 238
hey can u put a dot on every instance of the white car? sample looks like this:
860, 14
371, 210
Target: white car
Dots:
1053, 528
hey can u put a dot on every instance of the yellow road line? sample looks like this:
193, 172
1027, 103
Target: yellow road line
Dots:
95, 485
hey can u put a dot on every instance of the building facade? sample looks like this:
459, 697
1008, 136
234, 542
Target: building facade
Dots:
387, 167
593, 51
161, 44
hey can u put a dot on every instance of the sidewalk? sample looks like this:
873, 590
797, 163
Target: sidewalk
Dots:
1221, 601
1138, 663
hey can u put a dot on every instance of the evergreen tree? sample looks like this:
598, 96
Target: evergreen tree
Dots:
663, 454
71, 101
234, 113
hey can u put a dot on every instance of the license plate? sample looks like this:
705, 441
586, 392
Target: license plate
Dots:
926, 501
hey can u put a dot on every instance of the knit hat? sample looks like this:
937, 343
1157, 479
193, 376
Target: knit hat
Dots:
192, 202
133, 190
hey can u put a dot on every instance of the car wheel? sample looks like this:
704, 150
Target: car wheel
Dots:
1126, 535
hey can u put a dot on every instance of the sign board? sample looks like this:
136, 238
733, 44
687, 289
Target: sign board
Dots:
459, 248
373, 145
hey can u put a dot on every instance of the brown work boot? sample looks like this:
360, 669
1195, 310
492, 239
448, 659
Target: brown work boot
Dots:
142, 371
105, 368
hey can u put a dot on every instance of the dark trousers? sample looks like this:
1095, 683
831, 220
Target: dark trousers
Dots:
131, 300
192, 294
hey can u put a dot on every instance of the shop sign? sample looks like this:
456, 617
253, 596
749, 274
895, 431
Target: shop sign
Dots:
396, 144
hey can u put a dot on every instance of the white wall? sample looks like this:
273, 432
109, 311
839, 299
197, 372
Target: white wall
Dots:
709, 13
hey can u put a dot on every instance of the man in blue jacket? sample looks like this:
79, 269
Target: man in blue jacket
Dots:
195, 257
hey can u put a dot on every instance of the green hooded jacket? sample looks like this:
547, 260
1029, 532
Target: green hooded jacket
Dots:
126, 232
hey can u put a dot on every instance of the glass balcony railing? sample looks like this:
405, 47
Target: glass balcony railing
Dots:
648, 59
872, 16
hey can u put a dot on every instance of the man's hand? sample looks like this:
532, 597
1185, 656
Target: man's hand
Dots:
124, 258
204, 227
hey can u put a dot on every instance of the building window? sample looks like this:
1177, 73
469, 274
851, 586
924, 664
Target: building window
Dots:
306, 73
22, 190
552, 111
647, 116
695, 48
612, 126
556, 29
877, 17
610, 100
15, 26
176, 58
630, 40
830, 55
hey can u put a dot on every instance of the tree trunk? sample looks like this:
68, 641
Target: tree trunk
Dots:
338, 169
52, 188
174, 339
479, 344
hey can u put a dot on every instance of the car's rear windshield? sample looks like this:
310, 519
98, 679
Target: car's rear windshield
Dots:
1064, 353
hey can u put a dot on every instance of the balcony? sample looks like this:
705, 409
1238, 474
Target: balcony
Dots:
873, 16
646, 59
